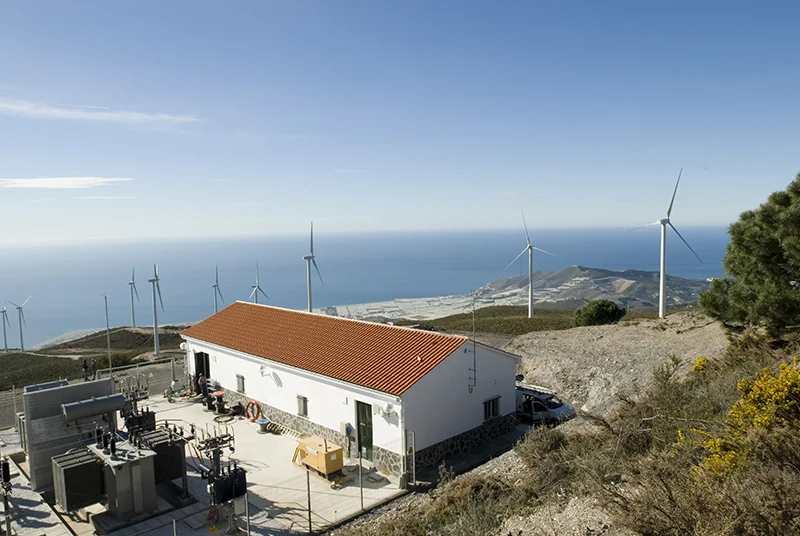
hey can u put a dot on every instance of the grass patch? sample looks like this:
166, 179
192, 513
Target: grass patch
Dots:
121, 339
21, 369
503, 319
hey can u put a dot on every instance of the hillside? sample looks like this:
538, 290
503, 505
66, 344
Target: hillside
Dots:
592, 367
578, 284
566, 289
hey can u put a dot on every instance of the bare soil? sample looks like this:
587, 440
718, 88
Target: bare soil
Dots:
591, 367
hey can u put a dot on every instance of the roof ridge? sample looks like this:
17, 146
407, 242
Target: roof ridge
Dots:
388, 326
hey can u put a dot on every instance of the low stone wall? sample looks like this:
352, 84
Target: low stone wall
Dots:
464, 442
385, 461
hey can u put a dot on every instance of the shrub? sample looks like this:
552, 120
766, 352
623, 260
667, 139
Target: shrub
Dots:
599, 312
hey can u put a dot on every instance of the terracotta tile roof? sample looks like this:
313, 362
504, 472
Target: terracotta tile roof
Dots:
381, 357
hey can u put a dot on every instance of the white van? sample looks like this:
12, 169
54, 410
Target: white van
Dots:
540, 406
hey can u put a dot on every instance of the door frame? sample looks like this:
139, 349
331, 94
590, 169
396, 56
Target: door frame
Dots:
369, 454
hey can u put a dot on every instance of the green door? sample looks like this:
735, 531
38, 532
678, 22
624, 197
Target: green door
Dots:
364, 418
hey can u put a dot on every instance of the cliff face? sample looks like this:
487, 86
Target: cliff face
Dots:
578, 284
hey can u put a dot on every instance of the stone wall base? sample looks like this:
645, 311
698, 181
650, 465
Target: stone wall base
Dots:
440, 452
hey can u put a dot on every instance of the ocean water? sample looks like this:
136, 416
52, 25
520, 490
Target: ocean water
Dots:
67, 282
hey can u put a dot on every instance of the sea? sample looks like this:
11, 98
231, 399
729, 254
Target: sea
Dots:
67, 281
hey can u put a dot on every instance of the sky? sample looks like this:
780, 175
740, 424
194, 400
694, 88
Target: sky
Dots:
149, 119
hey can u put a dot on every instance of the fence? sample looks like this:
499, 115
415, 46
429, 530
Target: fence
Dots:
157, 374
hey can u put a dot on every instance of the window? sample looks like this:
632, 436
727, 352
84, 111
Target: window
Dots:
240, 383
302, 406
491, 409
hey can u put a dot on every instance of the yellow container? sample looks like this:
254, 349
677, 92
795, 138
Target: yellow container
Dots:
319, 454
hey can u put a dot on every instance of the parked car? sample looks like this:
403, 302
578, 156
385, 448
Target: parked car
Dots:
540, 406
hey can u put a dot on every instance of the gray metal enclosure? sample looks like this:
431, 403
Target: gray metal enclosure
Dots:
46, 434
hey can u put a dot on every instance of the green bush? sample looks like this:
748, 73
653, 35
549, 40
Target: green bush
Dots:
599, 312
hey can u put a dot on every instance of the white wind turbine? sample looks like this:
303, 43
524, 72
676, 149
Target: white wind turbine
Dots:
4, 321
132, 285
156, 288
217, 291
530, 248
21, 321
662, 294
309, 261
257, 288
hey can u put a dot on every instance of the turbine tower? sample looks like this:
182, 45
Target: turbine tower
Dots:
21, 321
132, 285
662, 292
4, 321
217, 291
530, 248
156, 288
257, 288
309, 261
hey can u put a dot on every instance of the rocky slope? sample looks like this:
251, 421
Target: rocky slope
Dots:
592, 366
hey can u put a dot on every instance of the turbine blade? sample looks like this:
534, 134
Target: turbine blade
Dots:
318, 273
252, 293
643, 226
26, 301
312, 238
12, 303
158, 288
547, 252
136, 292
22, 315
133, 275
217, 279
264, 293
220, 294
510, 264
526, 227
685, 242
669, 210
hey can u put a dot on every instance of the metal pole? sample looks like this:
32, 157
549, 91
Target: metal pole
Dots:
8, 513
413, 458
662, 288
108, 336
247, 510
308, 487
174, 528
308, 273
360, 480
155, 321
14, 395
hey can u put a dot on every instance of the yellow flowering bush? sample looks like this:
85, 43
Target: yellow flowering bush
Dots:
700, 365
767, 401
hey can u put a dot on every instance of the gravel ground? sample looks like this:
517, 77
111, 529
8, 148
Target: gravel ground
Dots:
591, 366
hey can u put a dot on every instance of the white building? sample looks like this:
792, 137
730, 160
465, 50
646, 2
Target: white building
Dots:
386, 390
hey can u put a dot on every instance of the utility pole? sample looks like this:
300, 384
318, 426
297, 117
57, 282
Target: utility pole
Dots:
108, 337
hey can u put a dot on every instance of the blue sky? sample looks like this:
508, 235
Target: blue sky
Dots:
247, 118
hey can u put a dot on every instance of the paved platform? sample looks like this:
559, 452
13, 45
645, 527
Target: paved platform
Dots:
277, 488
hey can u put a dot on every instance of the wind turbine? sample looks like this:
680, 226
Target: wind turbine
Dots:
257, 288
132, 285
662, 295
309, 261
4, 321
21, 321
530, 248
217, 291
156, 287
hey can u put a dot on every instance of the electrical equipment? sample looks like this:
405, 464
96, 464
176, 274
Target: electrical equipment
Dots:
78, 479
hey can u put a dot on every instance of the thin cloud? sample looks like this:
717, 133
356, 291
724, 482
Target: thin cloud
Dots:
107, 197
60, 183
23, 108
350, 170
221, 180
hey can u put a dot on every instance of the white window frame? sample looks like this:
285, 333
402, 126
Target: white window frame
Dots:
240, 384
492, 409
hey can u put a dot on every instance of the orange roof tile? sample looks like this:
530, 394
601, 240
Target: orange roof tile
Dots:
381, 357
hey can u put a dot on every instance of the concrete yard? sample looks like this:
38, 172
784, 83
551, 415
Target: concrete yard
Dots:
277, 488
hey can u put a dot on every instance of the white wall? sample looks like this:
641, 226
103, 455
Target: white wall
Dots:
329, 401
440, 406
